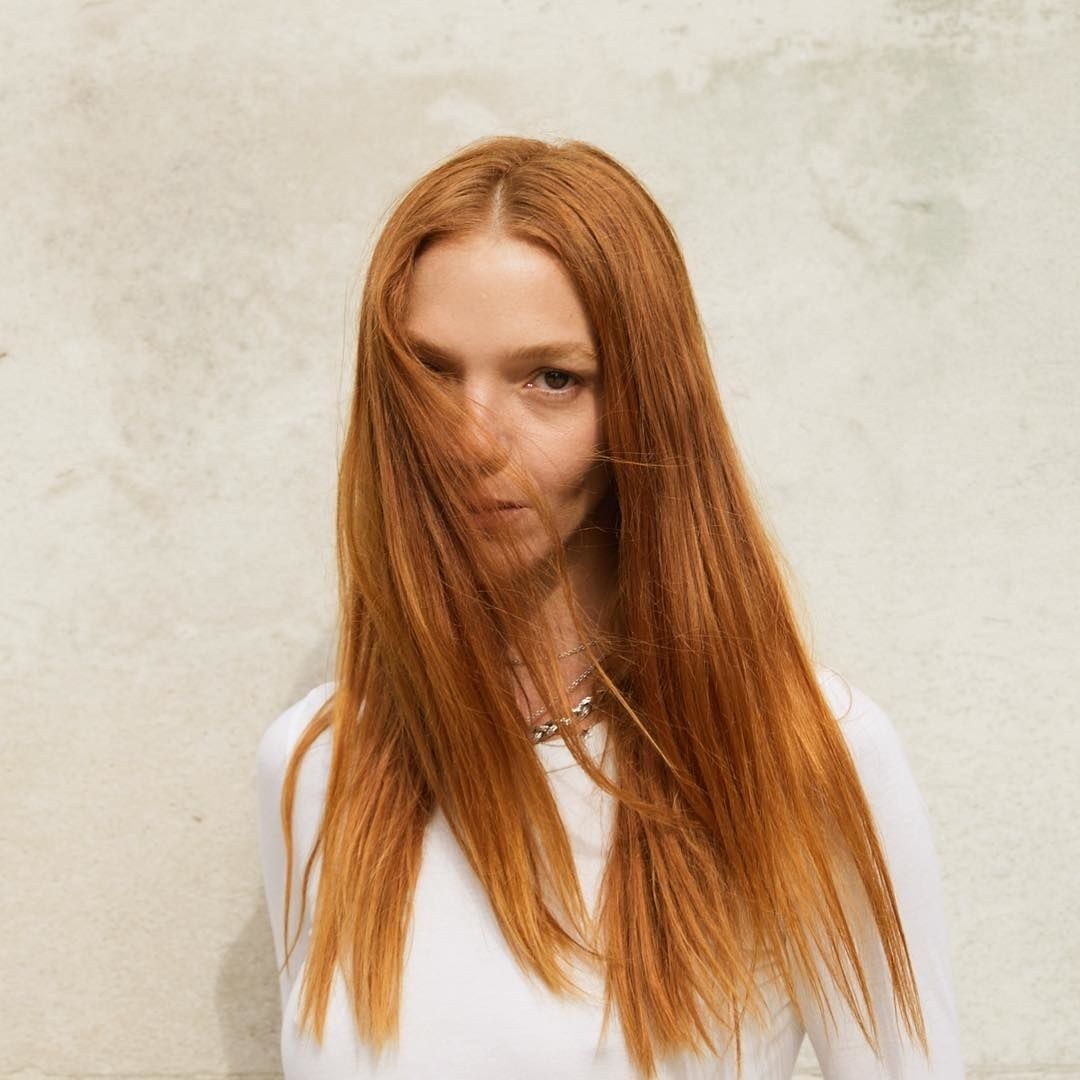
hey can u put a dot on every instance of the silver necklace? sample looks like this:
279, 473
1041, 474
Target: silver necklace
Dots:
562, 655
578, 712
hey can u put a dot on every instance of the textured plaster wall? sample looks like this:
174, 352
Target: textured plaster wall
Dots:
878, 203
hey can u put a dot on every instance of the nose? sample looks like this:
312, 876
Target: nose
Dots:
489, 454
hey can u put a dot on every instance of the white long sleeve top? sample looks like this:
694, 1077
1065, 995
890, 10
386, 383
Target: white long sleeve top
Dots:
469, 1013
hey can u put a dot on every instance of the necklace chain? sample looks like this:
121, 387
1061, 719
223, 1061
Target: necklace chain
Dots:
578, 712
563, 655
582, 709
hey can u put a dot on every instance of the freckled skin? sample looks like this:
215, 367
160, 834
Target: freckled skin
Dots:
479, 297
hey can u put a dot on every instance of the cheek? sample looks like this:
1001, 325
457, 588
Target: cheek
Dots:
567, 469
560, 455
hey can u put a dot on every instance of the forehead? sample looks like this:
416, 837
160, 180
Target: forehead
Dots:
483, 294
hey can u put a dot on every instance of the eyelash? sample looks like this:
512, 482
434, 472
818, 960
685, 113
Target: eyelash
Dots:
566, 391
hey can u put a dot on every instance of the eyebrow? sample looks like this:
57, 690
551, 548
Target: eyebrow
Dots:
540, 353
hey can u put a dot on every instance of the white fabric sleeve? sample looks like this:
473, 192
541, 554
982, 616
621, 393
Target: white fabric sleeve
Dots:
271, 759
904, 828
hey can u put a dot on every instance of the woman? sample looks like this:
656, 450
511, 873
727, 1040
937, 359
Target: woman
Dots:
578, 802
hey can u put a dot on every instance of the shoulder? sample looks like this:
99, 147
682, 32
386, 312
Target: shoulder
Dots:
871, 736
275, 749
275, 745
893, 793
904, 827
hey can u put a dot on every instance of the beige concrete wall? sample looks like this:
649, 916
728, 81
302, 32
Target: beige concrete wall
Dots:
878, 203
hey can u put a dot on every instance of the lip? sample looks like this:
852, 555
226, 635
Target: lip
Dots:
488, 507
495, 509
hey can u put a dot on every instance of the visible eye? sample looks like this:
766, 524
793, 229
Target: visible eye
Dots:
565, 390
562, 391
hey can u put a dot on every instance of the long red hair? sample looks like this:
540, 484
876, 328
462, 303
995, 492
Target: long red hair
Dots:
739, 813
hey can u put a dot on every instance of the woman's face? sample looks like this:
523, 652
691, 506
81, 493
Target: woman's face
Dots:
476, 305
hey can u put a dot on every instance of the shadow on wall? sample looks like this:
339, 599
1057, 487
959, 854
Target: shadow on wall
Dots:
246, 1000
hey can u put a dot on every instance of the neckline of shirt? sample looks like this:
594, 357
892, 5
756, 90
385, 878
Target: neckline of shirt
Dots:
556, 755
